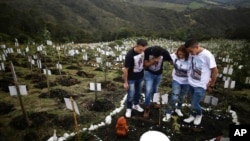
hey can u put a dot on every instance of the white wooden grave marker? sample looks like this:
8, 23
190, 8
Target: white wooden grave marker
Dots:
164, 98
2, 67
69, 105
229, 84
98, 60
59, 66
49, 42
247, 80
214, 101
46, 71
95, 86
22, 88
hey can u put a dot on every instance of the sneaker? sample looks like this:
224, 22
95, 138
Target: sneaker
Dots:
166, 118
128, 113
197, 120
138, 108
189, 119
178, 112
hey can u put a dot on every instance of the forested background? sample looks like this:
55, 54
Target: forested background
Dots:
105, 20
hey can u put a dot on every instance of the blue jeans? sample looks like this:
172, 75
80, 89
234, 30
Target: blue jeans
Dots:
152, 82
134, 92
196, 94
178, 93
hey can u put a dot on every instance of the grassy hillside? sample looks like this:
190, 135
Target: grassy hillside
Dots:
95, 20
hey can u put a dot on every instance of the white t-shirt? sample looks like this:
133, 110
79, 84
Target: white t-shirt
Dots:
200, 71
180, 71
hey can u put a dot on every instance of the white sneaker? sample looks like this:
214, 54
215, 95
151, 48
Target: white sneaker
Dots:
178, 112
197, 120
138, 108
166, 118
128, 113
189, 119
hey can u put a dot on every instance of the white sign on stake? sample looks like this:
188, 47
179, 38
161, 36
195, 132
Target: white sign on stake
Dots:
49, 42
59, 66
98, 59
39, 64
214, 101
226, 84
22, 89
232, 85
247, 80
2, 66
3, 56
207, 99
225, 70
69, 105
230, 71
19, 51
32, 62
92, 86
45, 71
156, 97
164, 99
99, 88
27, 49
85, 57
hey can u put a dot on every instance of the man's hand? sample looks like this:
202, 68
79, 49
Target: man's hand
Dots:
125, 86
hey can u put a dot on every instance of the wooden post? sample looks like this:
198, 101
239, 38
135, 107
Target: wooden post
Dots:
47, 77
75, 119
95, 90
19, 94
160, 110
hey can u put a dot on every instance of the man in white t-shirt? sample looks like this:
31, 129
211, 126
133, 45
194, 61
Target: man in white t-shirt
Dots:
201, 77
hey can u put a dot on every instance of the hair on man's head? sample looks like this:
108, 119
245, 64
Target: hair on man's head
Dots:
156, 51
190, 42
142, 42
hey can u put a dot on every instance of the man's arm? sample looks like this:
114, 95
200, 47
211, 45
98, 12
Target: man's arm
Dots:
214, 73
125, 77
150, 62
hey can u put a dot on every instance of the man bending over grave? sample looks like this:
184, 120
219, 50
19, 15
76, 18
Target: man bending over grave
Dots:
153, 63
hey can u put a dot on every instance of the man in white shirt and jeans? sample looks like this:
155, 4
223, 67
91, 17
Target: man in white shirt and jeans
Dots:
201, 77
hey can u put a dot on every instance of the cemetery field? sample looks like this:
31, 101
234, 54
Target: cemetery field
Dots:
91, 75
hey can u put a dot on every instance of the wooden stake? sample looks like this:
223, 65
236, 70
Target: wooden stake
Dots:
160, 110
19, 94
75, 119
47, 77
95, 90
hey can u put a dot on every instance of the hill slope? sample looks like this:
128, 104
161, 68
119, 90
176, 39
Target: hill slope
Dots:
95, 20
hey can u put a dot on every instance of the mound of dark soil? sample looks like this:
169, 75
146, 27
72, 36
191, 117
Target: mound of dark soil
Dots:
84, 74
102, 105
118, 79
57, 93
56, 72
43, 84
6, 108
35, 77
67, 81
109, 86
5, 83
